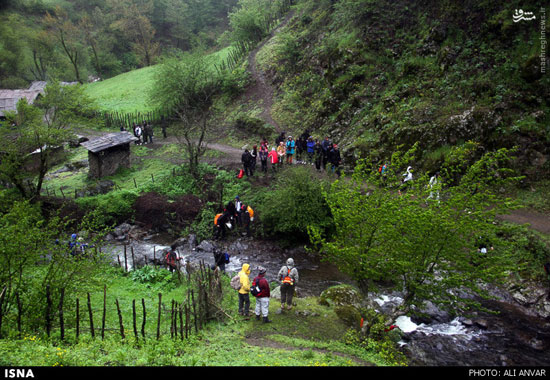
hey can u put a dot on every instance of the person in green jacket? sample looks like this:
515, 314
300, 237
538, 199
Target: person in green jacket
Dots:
244, 291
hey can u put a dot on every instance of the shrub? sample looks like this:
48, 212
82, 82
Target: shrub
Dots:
295, 203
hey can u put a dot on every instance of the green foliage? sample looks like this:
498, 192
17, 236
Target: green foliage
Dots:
295, 204
40, 129
109, 209
418, 243
35, 258
153, 277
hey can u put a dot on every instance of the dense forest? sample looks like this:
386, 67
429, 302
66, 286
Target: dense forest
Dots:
76, 40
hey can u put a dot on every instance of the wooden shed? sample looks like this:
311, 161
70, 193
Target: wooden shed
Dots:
108, 153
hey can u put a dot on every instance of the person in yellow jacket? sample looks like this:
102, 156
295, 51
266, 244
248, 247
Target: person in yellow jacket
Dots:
244, 291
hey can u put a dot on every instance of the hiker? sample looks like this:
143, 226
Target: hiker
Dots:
280, 139
263, 153
290, 149
299, 150
433, 182
149, 129
325, 146
253, 158
246, 159
281, 151
145, 132
335, 159
407, 180
172, 258
238, 210
73, 245
273, 159
138, 132
247, 216
310, 147
244, 296
220, 259
288, 275
222, 221
262, 297
483, 245
231, 210
318, 154
163, 126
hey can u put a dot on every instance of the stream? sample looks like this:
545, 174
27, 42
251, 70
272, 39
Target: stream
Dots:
509, 338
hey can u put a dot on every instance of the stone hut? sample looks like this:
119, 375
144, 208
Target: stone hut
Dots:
109, 152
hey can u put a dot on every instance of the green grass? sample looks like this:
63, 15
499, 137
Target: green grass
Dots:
129, 92
293, 339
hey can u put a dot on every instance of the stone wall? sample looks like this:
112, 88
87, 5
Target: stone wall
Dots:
107, 162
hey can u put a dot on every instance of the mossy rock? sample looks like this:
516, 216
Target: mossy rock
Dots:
341, 295
349, 314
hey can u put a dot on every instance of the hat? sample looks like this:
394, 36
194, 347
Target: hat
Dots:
261, 270
290, 262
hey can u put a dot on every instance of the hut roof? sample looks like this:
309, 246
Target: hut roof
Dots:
108, 141
9, 98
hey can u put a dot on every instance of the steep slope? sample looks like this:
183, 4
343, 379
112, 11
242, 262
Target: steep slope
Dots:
375, 75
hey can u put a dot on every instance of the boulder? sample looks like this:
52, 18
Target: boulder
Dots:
349, 314
341, 295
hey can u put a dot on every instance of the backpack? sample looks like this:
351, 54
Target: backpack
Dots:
236, 282
241, 173
287, 279
255, 288
226, 257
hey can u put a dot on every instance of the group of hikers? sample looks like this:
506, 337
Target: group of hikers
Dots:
143, 132
235, 214
259, 288
304, 150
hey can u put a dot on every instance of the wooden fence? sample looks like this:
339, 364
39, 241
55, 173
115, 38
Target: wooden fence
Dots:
199, 304
116, 119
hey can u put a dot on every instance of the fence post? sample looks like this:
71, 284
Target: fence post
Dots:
48, 309
158, 319
144, 319
77, 318
120, 320
61, 324
90, 313
125, 260
19, 312
134, 316
104, 312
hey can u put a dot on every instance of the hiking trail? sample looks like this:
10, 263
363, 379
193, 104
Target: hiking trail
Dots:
261, 91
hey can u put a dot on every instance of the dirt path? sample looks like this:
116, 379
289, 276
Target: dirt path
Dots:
537, 221
261, 340
261, 91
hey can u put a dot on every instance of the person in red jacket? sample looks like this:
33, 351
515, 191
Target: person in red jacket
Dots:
273, 158
262, 298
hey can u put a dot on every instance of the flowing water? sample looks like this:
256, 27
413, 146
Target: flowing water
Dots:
510, 338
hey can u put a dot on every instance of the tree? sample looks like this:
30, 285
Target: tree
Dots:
134, 22
69, 36
39, 128
187, 85
422, 246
